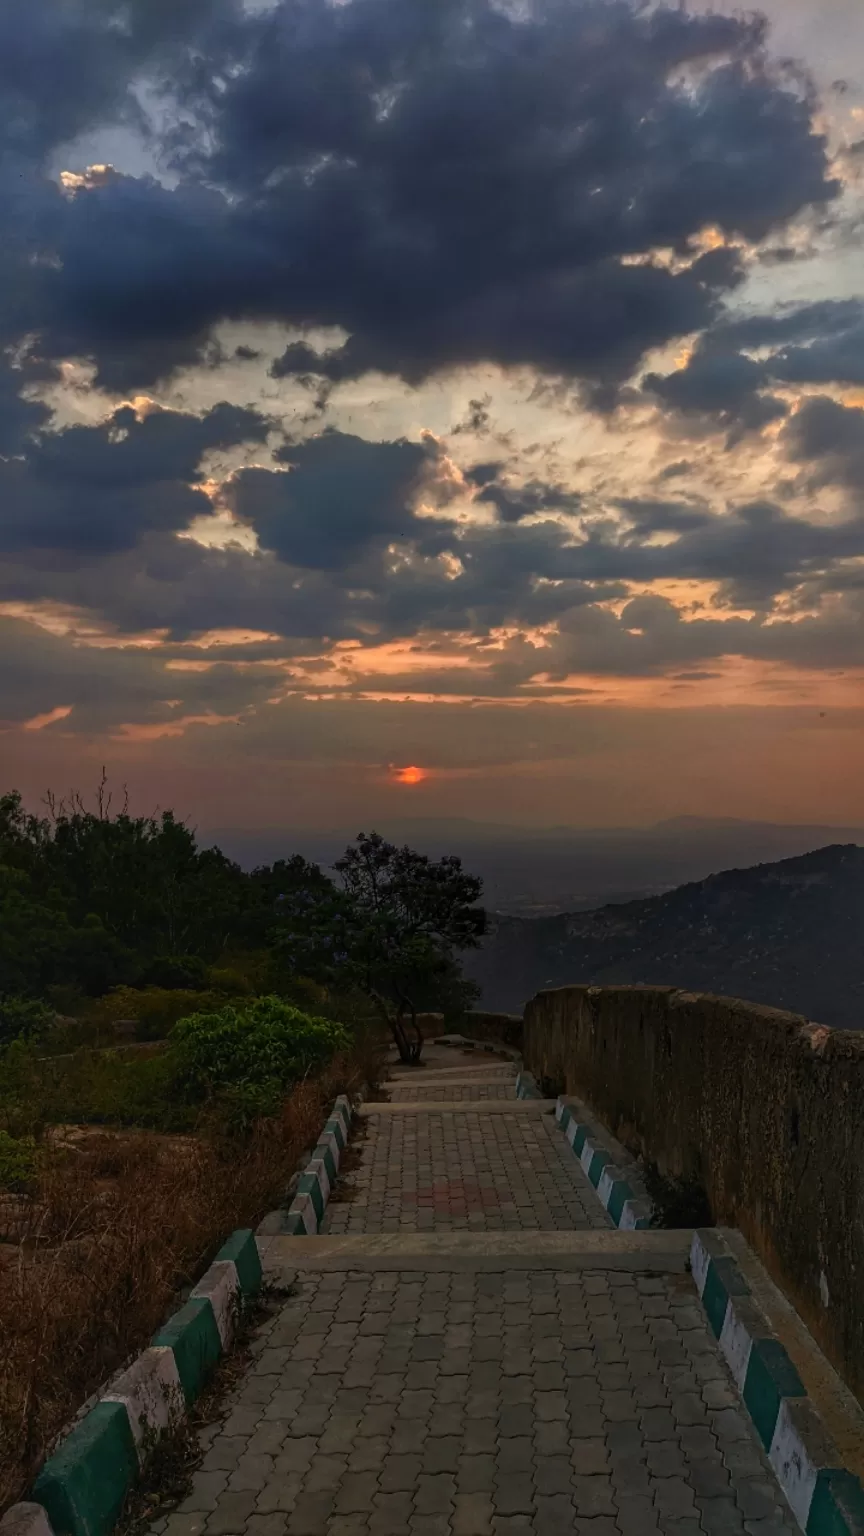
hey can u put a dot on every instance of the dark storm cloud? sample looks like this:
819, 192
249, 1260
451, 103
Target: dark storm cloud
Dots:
725, 389
512, 503
647, 517
829, 437
89, 490
345, 555
449, 181
342, 498
67, 66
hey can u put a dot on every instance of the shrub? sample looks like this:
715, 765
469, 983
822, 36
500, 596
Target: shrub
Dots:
248, 1054
157, 1009
188, 972
96, 1087
22, 1018
231, 982
17, 1163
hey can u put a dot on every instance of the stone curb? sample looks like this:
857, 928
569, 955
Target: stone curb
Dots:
83, 1485
824, 1497
613, 1191
305, 1214
526, 1086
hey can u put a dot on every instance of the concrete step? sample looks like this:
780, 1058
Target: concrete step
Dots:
645, 1253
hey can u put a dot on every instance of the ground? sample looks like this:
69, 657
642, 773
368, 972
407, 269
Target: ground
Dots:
471, 1350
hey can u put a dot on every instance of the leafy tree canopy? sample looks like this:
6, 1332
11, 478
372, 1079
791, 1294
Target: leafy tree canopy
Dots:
391, 926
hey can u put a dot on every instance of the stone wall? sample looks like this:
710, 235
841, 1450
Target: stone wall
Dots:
763, 1108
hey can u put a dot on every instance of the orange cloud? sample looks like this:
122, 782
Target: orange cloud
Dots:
39, 722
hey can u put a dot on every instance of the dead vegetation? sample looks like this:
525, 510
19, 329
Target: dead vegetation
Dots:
93, 1256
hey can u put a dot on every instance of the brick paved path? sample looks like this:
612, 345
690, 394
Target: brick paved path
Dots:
452, 1380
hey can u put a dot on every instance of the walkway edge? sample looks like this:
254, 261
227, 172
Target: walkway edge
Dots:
82, 1487
305, 1214
613, 1191
825, 1498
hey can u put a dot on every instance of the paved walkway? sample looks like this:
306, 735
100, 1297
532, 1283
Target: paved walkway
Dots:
473, 1351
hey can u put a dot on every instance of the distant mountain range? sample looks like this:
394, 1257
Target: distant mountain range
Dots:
536, 871
790, 934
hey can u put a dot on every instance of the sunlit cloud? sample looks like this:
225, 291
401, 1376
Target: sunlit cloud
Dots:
51, 716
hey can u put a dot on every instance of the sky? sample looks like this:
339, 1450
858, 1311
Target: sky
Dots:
434, 408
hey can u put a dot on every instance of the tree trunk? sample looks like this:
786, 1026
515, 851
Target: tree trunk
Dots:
413, 1048
409, 1051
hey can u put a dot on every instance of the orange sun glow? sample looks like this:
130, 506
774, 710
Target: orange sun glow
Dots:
410, 775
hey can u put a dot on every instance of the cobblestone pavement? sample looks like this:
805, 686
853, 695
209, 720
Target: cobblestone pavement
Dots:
471, 1404
480, 1397
477, 1172
500, 1088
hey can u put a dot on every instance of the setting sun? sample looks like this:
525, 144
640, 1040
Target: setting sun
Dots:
409, 775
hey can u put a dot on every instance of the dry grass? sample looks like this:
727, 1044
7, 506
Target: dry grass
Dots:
115, 1228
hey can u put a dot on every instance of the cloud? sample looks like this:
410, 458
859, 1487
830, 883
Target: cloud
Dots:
724, 389
450, 183
105, 688
90, 490
512, 503
830, 438
342, 499
69, 65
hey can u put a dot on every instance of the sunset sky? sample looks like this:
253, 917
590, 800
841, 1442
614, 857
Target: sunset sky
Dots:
434, 407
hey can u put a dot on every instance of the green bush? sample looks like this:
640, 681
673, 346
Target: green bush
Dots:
248, 1054
17, 1163
229, 981
22, 1018
89, 1087
188, 972
156, 1009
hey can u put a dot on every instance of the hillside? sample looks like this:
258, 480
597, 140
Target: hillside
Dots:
790, 934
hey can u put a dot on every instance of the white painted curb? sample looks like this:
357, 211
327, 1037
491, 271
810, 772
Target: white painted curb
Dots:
150, 1392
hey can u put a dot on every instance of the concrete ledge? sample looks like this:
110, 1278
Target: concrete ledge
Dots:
840, 1412
825, 1498
614, 1192
460, 1107
651, 1253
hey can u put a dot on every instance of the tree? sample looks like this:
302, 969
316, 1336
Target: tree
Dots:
392, 927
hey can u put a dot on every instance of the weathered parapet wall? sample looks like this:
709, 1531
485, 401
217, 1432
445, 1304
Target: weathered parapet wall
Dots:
765, 1109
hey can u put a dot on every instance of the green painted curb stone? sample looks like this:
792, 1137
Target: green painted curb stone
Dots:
337, 1128
837, 1507
309, 1185
613, 1192
194, 1338
241, 1250
771, 1376
82, 1487
825, 1499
